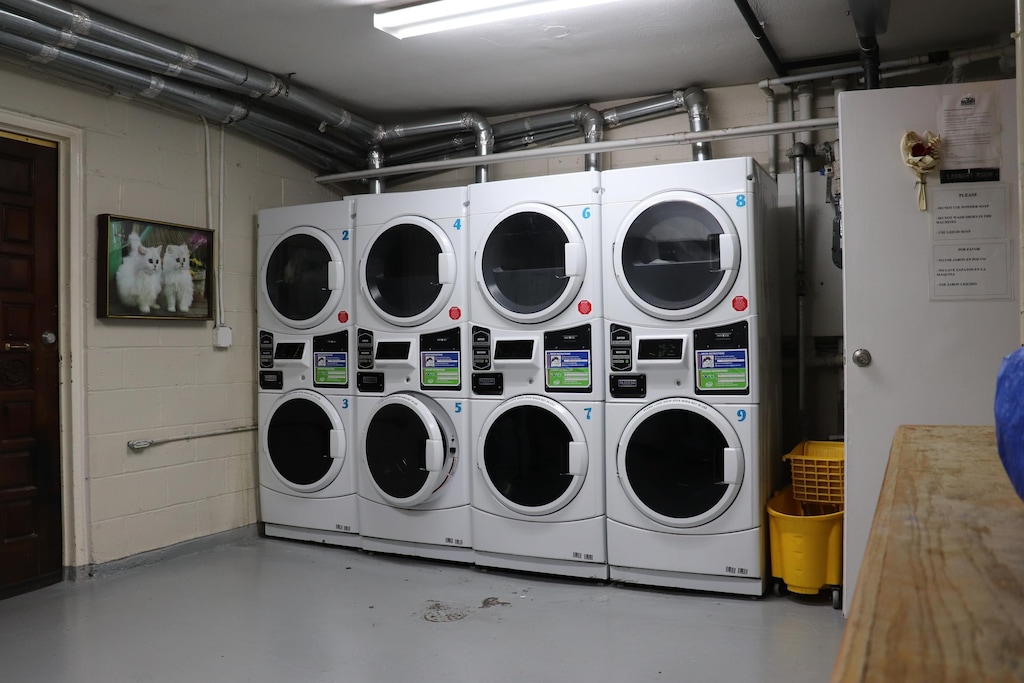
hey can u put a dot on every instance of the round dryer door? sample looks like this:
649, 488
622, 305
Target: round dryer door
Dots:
410, 449
680, 462
302, 277
305, 441
676, 255
533, 455
408, 271
532, 263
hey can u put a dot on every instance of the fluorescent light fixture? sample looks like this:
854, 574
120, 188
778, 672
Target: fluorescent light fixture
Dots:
446, 15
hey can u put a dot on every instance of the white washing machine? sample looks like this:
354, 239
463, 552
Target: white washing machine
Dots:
305, 259
413, 260
538, 480
688, 241
691, 455
414, 462
307, 463
536, 246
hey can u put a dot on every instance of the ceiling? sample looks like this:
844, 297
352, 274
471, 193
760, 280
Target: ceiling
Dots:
626, 49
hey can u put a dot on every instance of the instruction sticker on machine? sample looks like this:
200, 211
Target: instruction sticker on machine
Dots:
440, 368
330, 368
724, 370
567, 369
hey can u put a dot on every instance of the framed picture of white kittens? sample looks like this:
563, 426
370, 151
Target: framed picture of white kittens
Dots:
154, 271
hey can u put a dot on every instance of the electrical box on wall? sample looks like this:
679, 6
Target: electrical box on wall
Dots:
222, 337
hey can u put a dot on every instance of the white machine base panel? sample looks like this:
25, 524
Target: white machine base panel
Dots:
582, 541
313, 535
450, 527
737, 556
543, 565
697, 582
431, 552
340, 514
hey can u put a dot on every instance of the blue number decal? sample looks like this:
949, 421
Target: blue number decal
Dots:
344, 403
458, 224
741, 200
344, 235
586, 212
458, 406
587, 411
741, 415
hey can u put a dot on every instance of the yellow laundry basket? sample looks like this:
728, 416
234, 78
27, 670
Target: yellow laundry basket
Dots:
817, 468
806, 549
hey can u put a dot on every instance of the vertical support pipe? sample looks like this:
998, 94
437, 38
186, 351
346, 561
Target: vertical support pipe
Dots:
799, 152
805, 110
773, 140
375, 159
869, 59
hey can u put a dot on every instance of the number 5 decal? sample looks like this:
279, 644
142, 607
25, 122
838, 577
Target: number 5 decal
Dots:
458, 406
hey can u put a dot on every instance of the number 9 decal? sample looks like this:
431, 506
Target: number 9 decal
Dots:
741, 415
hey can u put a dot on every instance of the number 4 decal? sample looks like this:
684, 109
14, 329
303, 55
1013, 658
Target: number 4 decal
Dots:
458, 224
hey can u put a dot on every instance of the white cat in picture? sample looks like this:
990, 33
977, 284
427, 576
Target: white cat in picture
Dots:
140, 276
178, 287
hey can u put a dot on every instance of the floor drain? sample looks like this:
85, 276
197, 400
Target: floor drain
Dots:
438, 612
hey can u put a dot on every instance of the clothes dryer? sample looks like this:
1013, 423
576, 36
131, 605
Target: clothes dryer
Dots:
691, 436
414, 474
536, 251
305, 259
307, 467
413, 260
688, 241
538, 483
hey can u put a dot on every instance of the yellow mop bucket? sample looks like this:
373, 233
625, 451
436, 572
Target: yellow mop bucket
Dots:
806, 548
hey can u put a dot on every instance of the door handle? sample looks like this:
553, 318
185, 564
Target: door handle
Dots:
23, 346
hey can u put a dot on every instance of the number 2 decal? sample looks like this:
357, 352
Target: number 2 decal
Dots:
587, 411
741, 415
741, 200
344, 235
457, 224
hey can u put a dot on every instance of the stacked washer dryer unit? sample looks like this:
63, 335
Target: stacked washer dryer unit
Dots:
412, 384
304, 310
537, 382
693, 359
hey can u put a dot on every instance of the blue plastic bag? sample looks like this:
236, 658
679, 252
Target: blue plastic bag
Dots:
1010, 417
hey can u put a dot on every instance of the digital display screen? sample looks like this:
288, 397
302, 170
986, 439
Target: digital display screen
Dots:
660, 349
392, 351
514, 349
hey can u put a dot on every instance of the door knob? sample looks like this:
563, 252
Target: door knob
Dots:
862, 358
49, 338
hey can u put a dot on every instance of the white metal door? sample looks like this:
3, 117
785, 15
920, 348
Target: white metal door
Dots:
931, 361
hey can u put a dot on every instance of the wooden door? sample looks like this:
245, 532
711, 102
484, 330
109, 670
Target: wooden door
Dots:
30, 477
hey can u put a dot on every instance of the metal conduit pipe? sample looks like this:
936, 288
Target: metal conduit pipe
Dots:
186, 61
869, 59
375, 160
591, 123
758, 130
514, 128
932, 58
697, 103
51, 35
805, 109
643, 109
443, 124
773, 144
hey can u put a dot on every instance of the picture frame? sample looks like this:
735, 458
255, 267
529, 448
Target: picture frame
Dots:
152, 270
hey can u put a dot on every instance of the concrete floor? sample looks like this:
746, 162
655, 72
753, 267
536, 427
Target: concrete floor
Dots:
273, 610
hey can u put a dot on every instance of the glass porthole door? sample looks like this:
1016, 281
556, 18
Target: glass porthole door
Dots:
305, 441
302, 277
676, 255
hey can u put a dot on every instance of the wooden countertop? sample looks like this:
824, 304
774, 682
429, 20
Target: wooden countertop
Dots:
940, 596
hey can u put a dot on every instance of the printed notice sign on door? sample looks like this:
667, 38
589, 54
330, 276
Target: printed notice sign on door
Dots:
971, 270
969, 213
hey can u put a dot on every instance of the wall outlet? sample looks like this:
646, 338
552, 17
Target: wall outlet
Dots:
222, 337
